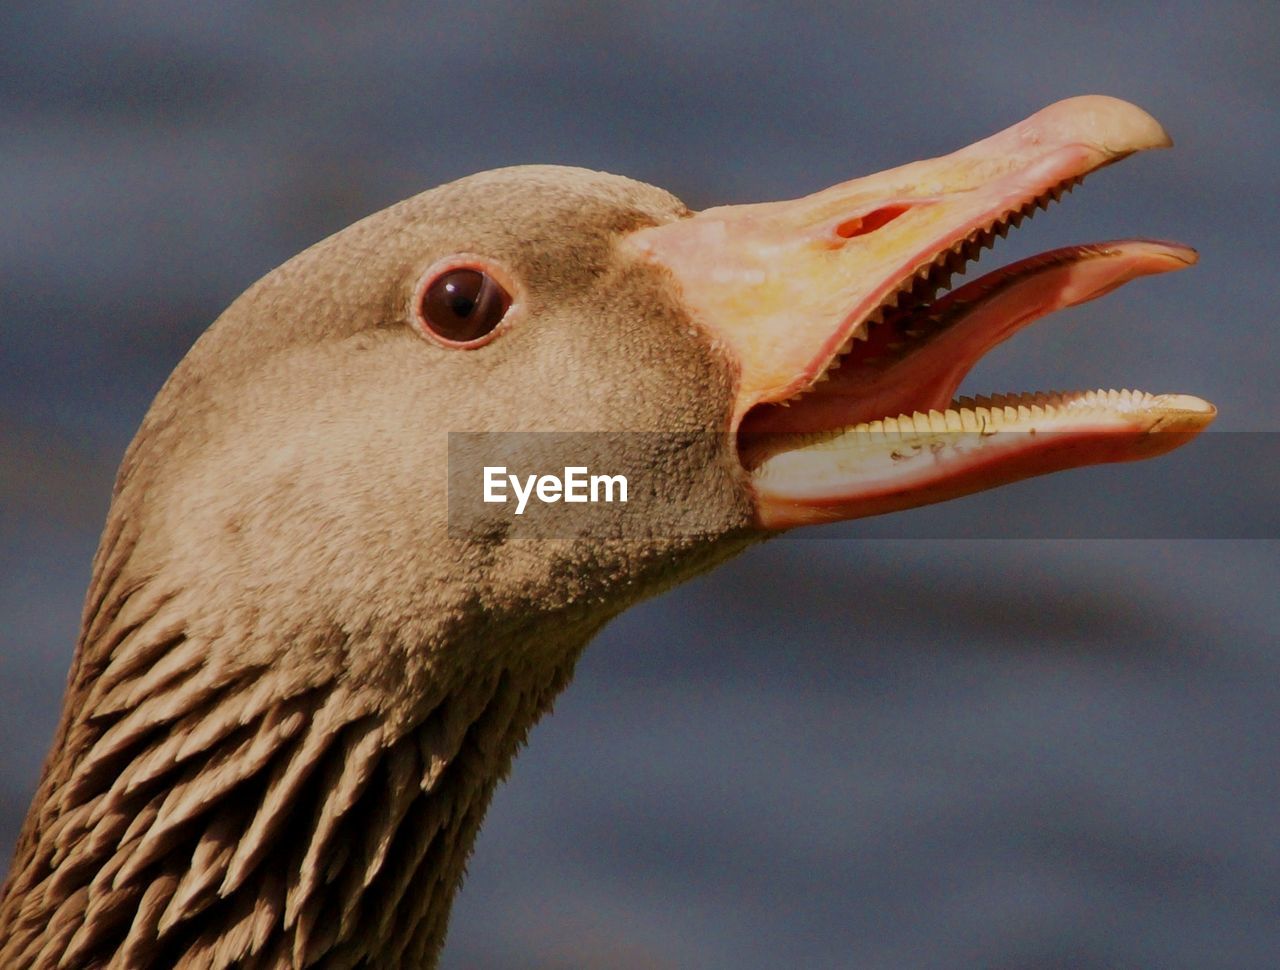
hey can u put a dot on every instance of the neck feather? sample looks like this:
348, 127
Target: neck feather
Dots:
214, 814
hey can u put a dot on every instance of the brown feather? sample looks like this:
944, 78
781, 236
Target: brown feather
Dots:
294, 690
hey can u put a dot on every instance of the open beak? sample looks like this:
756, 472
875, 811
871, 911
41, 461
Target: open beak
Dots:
848, 357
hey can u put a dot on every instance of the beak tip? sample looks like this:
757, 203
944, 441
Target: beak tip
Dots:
1190, 405
1115, 126
1175, 255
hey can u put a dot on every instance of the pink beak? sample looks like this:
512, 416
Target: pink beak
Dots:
848, 359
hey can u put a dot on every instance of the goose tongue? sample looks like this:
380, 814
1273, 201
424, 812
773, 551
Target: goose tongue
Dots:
828, 304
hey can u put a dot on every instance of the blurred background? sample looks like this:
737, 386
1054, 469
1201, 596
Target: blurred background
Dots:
852, 749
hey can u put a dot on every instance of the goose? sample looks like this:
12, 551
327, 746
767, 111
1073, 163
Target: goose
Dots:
310, 649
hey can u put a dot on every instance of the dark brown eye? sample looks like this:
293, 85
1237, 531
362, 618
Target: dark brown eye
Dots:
463, 305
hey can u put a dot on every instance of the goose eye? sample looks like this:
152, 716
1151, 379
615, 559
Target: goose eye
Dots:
463, 305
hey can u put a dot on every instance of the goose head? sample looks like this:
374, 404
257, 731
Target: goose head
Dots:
310, 648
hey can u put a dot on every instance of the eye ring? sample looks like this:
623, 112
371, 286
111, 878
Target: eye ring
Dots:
462, 302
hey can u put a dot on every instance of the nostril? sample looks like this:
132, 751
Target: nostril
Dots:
876, 219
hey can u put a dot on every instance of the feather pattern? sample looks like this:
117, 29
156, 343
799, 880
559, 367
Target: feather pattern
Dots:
210, 789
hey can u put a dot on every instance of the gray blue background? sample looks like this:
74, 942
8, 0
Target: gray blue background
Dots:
853, 751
